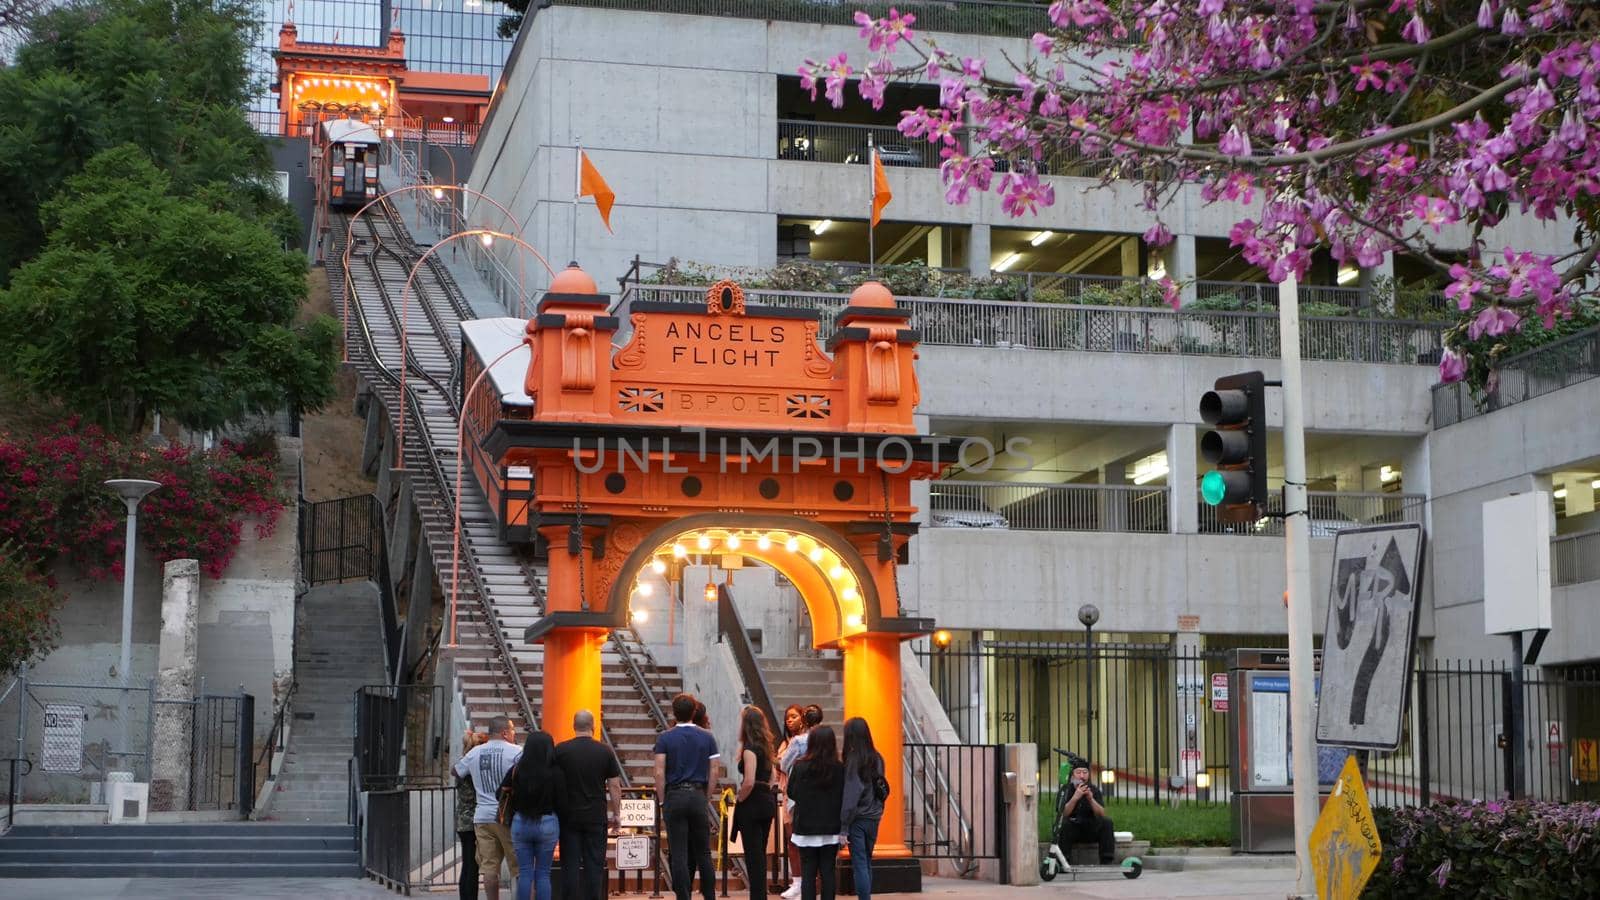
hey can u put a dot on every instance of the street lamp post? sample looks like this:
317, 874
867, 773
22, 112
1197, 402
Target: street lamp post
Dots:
1089, 614
131, 490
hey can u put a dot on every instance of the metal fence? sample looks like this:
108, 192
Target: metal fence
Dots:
1571, 360
988, 17
1264, 295
196, 753
347, 540
955, 809
1575, 558
1137, 712
1061, 326
838, 142
1047, 507
402, 737
1329, 512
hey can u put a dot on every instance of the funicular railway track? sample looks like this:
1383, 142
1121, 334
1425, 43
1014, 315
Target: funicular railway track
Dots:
497, 674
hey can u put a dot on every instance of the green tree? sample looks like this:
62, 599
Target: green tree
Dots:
143, 300
167, 76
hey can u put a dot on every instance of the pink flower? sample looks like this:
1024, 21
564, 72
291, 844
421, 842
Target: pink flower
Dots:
1080, 13
1170, 293
1452, 367
1463, 287
1494, 321
1234, 143
1043, 43
1157, 235
838, 71
1434, 212
1415, 31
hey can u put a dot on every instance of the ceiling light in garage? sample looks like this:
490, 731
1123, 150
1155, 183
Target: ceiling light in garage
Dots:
1041, 237
821, 226
1008, 262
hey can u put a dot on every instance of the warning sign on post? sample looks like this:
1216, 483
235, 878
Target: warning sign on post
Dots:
633, 852
63, 738
1219, 692
1586, 760
1344, 844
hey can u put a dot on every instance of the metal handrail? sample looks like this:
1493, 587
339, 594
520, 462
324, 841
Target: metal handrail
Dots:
967, 864
731, 626
1572, 360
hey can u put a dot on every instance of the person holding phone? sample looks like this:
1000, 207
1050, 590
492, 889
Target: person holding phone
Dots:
1084, 819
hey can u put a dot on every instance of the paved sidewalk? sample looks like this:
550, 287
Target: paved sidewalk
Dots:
1243, 884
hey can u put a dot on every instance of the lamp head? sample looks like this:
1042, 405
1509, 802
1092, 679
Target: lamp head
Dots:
1088, 614
132, 490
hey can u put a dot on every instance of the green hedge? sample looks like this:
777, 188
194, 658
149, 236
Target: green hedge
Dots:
1521, 850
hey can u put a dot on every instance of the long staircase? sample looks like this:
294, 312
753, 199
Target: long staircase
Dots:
501, 588
803, 680
339, 650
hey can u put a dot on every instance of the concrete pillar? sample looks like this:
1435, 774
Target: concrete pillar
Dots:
1021, 797
1580, 495
1193, 693
372, 442
1369, 277
978, 251
175, 680
420, 611
1183, 515
1113, 505
1130, 258
1181, 266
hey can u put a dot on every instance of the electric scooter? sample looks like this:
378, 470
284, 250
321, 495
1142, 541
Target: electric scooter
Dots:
1054, 860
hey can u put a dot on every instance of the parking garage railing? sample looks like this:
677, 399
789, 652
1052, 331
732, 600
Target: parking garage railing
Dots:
1575, 558
1537, 372
1000, 18
836, 142
1060, 326
1330, 513
1048, 507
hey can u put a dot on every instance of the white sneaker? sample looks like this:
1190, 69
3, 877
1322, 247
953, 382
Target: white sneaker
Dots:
793, 891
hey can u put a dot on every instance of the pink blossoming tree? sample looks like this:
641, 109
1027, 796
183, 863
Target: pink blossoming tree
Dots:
1361, 126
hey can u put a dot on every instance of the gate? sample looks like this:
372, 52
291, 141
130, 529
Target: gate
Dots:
346, 540
65, 737
955, 803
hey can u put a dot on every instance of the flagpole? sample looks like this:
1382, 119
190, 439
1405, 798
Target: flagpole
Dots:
577, 191
872, 227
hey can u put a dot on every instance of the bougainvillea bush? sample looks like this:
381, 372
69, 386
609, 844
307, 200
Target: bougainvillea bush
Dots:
28, 626
55, 509
1501, 849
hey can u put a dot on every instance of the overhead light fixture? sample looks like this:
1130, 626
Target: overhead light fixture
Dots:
852, 621
821, 226
711, 592
645, 589
1561, 494
1041, 237
486, 239
658, 566
1158, 270
1348, 274
679, 551
1010, 260
849, 594
641, 616
1595, 484
837, 572
388, 132
764, 542
733, 542
438, 193
448, 120
1387, 474
704, 543
792, 545
1150, 468
815, 554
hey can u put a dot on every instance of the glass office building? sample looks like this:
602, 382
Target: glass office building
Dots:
457, 36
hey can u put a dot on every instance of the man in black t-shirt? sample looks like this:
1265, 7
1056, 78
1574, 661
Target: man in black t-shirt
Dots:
1085, 819
592, 775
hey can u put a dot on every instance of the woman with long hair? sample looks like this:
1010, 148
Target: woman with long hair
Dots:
816, 785
862, 807
535, 786
466, 805
792, 748
757, 805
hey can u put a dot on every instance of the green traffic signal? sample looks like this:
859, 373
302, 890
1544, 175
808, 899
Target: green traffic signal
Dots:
1213, 487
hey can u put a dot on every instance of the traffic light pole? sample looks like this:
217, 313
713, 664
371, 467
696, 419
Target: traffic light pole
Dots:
1296, 528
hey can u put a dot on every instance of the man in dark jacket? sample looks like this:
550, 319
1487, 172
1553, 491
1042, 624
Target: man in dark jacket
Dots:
1084, 819
592, 776
686, 782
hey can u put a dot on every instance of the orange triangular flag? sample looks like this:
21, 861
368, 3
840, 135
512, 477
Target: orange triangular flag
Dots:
590, 184
880, 189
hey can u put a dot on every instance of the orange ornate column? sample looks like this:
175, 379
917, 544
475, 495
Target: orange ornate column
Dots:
571, 672
872, 691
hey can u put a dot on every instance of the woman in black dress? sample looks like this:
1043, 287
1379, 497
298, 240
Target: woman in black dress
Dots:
757, 805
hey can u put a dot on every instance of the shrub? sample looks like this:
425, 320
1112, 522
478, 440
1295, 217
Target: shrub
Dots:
1506, 849
55, 510
28, 603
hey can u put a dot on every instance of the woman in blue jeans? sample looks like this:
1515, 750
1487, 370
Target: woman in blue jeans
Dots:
862, 806
535, 785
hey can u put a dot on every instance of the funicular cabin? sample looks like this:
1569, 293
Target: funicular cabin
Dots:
502, 395
350, 149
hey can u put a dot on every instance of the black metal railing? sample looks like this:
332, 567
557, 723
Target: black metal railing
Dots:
972, 826
1542, 370
400, 736
731, 628
987, 17
347, 540
842, 142
222, 773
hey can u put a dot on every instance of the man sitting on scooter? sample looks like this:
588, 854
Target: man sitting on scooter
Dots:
1084, 819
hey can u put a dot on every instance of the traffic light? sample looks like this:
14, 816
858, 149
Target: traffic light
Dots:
1237, 446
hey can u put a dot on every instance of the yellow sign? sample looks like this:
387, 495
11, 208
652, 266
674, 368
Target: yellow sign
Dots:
1344, 844
1586, 759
